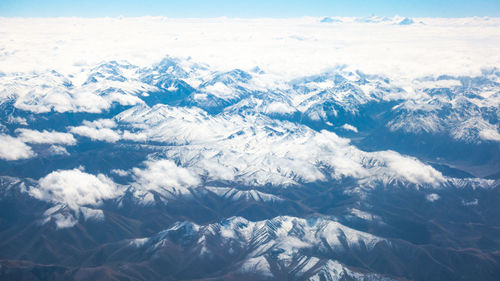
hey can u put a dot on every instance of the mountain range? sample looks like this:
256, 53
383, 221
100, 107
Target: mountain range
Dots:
178, 171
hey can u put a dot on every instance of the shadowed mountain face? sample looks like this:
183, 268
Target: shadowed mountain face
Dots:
180, 172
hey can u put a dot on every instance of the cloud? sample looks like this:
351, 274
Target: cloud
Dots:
100, 134
474, 202
407, 168
135, 137
251, 42
220, 90
75, 188
490, 134
120, 172
58, 150
14, 149
50, 137
60, 216
64, 217
432, 197
100, 123
17, 120
349, 127
92, 214
102, 130
45, 91
164, 176
279, 107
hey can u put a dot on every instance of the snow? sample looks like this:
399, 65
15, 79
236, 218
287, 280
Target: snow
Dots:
255, 151
257, 265
283, 237
235, 194
364, 215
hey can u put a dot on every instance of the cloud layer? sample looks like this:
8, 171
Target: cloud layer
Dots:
454, 46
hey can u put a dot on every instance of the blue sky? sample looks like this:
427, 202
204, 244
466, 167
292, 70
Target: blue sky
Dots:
255, 8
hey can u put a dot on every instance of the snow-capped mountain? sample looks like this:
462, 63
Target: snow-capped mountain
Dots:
271, 248
181, 171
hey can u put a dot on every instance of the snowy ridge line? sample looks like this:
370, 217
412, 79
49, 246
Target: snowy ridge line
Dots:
469, 105
76, 194
281, 239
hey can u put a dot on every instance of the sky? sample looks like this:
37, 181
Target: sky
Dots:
248, 9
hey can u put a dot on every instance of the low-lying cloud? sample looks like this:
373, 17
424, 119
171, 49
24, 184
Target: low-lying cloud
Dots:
164, 176
48, 137
14, 149
75, 188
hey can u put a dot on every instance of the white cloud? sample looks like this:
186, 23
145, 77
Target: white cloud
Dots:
164, 176
92, 214
44, 91
432, 197
75, 188
124, 99
65, 220
120, 172
50, 137
220, 90
61, 216
102, 130
136, 137
349, 127
65, 217
279, 107
474, 202
407, 168
216, 170
489, 134
438, 83
269, 43
100, 134
14, 149
17, 120
58, 150
100, 123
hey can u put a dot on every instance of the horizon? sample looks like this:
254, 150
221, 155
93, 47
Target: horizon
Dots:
256, 9
248, 18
